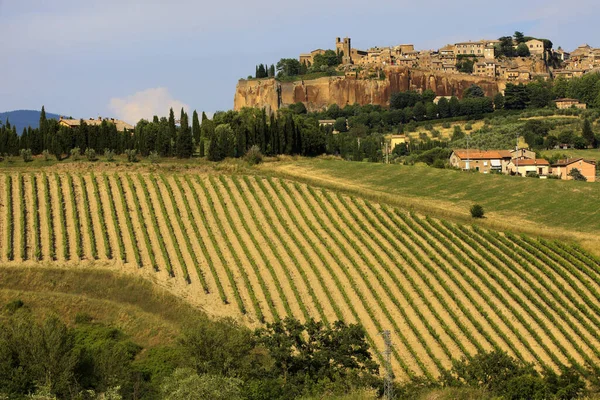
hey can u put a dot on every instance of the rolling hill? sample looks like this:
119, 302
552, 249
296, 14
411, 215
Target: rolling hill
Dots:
24, 118
262, 249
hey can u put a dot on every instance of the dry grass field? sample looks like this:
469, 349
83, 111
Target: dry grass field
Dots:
261, 249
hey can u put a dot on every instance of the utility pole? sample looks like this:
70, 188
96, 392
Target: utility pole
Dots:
517, 152
468, 159
388, 383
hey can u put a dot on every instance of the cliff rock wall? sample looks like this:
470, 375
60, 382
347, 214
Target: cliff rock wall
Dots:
319, 93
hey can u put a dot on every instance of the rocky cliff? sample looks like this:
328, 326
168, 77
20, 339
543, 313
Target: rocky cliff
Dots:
319, 93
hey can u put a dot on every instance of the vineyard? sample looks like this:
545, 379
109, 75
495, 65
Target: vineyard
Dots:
262, 249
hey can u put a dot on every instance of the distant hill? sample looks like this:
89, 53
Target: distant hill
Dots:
24, 118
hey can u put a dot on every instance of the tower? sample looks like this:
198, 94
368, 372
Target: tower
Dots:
345, 47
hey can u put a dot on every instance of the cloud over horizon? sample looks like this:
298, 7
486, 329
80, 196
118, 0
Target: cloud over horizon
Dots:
146, 104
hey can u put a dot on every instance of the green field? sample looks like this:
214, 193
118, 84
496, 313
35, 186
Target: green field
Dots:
588, 154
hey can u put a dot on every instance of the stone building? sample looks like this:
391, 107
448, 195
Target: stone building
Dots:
561, 104
535, 46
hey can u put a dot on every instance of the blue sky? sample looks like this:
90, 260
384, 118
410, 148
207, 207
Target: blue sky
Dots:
130, 58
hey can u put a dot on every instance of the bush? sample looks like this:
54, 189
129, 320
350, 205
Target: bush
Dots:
47, 155
446, 125
76, 154
109, 154
253, 155
477, 211
577, 175
90, 154
131, 155
14, 305
26, 154
154, 157
468, 126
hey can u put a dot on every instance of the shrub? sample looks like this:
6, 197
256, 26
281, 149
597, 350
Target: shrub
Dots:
532, 174
83, 318
577, 175
14, 305
446, 125
109, 154
131, 155
253, 155
90, 154
47, 155
154, 157
75, 154
468, 126
26, 154
477, 211
439, 164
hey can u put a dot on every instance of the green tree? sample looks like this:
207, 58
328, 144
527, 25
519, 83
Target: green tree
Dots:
515, 97
473, 91
454, 106
519, 37
577, 175
588, 133
465, 65
505, 47
184, 137
287, 67
499, 101
428, 96
419, 111
523, 50
444, 108
196, 131
186, 384
340, 124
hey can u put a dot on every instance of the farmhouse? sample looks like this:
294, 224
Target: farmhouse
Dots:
74, 123
482, 161
535, 46
569, 103
563, 168
524, 167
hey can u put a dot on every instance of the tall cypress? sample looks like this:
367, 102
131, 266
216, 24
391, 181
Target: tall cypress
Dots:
44, 128
184, 137
171, 131
196, 132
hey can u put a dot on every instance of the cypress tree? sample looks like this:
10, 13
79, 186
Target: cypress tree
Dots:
184, 137
171, 132
44, 128
196, 132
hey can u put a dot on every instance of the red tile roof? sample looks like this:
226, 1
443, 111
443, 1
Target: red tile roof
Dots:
528, 162
482, 155
569, 161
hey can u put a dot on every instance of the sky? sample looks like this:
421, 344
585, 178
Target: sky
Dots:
132, 59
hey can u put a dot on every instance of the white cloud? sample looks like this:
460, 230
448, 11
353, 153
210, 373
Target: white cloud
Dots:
146, 104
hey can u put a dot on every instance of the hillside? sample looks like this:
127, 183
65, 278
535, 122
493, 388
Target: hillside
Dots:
24, 118
565, 210
262, 249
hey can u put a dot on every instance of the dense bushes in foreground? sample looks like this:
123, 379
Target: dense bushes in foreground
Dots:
215, 359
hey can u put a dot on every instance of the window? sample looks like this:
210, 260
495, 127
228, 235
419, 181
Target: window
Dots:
485, 163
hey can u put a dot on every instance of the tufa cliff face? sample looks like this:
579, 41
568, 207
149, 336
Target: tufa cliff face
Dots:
319, 93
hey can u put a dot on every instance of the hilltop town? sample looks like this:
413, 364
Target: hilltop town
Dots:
517, 58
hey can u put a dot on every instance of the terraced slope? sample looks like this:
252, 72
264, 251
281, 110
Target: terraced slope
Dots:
264, 249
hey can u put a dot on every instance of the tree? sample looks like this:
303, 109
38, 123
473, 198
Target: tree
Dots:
499, 101
523, 50
477, 211
505, 47
402, 100
515, 97
196, 131
473, 91
444, 108
454, 106
183, 142
186, 384
587, 133
465, 65
577, 175
519, 37
287, 67
428, 96
457, 134
340, 125
419, 111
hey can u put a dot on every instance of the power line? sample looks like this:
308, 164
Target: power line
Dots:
388, 383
